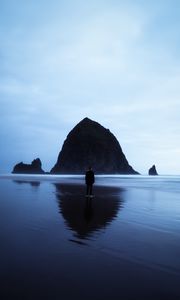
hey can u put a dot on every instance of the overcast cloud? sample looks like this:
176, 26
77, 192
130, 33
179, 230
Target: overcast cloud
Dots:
118, 64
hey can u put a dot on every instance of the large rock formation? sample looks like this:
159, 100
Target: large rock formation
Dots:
90, 144
153, 171
33, 168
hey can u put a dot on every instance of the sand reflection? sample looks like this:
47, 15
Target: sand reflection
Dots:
85, 216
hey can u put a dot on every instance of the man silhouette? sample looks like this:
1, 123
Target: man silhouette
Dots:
89, 178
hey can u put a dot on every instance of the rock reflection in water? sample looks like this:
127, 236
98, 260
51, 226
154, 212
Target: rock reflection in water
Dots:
85, 216
32, 183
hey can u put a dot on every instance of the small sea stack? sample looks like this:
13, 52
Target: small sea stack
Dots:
153, 171
34, 168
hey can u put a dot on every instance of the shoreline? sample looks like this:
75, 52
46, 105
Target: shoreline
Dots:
163, 183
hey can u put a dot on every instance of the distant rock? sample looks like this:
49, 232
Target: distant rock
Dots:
90, 144
152, 170
33, 168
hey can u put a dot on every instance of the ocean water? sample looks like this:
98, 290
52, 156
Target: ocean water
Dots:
124, 243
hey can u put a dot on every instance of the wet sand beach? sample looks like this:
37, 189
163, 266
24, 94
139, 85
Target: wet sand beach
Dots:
123, 243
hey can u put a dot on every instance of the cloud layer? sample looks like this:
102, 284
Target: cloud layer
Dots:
113, 62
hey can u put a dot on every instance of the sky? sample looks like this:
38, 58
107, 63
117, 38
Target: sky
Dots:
116, 62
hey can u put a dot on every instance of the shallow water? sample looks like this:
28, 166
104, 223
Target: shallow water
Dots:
58, 244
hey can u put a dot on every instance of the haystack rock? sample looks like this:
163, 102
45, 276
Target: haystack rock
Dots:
33, 168
90, 144
153, 171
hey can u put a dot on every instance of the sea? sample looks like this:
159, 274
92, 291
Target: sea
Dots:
121, 243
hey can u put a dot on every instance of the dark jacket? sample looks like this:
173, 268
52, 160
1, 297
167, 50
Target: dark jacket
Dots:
89, 178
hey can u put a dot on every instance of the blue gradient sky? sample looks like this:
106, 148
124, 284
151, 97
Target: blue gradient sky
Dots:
116, 62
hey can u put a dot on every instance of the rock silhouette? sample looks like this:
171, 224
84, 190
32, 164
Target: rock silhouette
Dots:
90, 144
153, 171
33, 168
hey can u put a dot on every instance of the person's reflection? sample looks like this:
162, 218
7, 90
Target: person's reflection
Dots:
85, 216
88, 211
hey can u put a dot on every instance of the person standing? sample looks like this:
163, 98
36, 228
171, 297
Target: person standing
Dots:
90, 179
